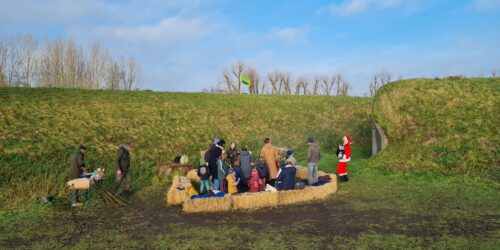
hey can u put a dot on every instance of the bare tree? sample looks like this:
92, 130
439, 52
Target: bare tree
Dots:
3, 63
13, 61
29, 59
286, 82
328, 84
302, 84
318, 79
254, 80
379, 80
274, 78
237, 70
226, 75
263, 86
344, 87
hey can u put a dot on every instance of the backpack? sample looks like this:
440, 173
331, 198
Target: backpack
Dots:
206, 156
340, 151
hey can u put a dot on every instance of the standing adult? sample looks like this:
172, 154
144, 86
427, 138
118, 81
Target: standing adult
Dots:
123, 168
344, 158
215, 161
313, 158
245, 162
271, 157
233, 153
76, 169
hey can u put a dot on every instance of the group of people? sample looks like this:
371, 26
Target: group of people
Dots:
233, 171
122, 161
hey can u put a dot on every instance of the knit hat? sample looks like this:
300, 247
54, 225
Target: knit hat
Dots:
288, 153
310, 140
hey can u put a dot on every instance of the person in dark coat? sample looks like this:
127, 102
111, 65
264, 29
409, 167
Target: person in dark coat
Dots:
238, 174
245, 162
76, 169
123, 168
214, 158
263, 171
286, 177
77, 163
233, 153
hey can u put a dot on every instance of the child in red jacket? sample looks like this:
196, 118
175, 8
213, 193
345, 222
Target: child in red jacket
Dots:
254, 183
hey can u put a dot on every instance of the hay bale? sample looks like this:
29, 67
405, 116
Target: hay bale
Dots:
193, 175
304, 175
176, 196
208, 204
255, 200
308, 193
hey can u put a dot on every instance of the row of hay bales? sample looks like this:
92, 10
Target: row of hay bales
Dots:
248, 201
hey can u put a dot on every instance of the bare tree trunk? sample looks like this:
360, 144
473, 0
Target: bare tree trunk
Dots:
273, 78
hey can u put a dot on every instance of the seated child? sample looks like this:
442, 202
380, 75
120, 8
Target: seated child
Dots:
263, 173
255, 182
204, 174
232, 183
286, 177
238, 174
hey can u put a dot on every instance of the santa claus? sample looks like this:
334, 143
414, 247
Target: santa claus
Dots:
344, 155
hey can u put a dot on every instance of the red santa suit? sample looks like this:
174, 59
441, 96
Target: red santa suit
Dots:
342, 166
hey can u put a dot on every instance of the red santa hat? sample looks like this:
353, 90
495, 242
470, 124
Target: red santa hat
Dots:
348, 138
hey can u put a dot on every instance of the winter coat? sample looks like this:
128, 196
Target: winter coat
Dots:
254, 183
245, 160
123, 160
77, 164
314, 153
238, 174
347, 151
222, 171
286, 178
263, 170
232, 184
232, 155
204, 172
292, 160
214, 153
271, 157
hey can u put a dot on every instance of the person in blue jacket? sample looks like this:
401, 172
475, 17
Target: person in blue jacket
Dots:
239, 175
204, 174
286, 177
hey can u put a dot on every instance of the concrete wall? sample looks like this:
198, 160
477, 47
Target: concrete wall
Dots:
379, 139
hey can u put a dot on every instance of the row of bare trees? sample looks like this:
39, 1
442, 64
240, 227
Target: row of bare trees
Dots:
27, 62
279, 83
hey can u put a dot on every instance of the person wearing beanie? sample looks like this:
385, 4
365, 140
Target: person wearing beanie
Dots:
344, 157
77, 167
313, 158
290, 158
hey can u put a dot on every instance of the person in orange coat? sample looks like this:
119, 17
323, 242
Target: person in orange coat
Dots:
271, 157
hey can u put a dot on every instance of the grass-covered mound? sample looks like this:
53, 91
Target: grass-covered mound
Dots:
40, 129
450, 125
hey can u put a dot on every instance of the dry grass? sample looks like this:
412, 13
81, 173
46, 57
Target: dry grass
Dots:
193, 175
302, 173
176, 196
219, 204
255, 200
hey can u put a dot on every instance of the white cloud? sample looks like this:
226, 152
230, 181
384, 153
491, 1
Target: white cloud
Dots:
487, 5
290, 35
350, 7
169, 31
353, 7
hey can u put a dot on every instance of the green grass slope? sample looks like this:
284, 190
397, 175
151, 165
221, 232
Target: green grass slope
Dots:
40, 129
450, 125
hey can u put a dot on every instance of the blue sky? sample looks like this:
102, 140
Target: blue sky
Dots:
183, 45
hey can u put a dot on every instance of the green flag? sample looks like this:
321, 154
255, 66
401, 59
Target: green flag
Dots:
245, 80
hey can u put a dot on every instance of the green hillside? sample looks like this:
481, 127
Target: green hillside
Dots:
450, 125
40, 129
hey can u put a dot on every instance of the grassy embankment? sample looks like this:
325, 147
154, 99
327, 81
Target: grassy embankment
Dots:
399, 199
